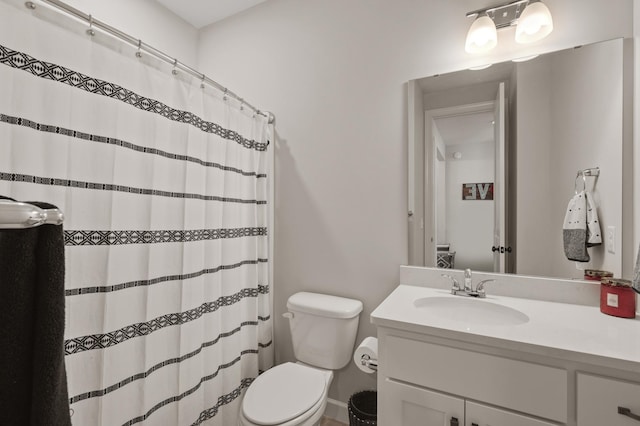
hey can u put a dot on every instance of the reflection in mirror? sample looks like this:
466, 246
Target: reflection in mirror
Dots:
493, 156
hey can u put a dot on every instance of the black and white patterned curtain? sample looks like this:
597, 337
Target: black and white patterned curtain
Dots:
164, 188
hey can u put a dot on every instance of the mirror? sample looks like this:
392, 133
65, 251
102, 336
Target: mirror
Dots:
490, 204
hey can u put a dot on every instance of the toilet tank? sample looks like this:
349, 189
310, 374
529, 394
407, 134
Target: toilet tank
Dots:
323, 328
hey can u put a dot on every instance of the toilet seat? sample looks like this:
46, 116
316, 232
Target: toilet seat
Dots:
283, 393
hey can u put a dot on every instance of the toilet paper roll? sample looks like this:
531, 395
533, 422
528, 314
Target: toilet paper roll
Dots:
369, 350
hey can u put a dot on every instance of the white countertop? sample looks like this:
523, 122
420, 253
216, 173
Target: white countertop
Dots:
562, 330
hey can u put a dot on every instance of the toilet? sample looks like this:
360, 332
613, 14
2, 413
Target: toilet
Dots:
323, 331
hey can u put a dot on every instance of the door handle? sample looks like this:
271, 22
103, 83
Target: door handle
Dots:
454, 422
627, 412
501, 249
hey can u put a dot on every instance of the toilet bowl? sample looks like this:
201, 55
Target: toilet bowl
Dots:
323, 332
290, 394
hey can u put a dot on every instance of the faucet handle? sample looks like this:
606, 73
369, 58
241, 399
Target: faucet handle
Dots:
455, 285
480, 286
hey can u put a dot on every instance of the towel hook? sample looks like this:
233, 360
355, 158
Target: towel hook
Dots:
592, 172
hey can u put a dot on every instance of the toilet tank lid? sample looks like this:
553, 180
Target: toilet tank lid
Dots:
324, 305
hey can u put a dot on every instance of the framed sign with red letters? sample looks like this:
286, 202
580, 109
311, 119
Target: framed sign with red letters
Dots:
477, 191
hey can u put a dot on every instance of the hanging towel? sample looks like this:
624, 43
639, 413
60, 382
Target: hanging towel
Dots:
635, 284
594, 235
581, 228
33, 390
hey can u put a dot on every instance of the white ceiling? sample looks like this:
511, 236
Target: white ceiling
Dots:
469, 128
201, 13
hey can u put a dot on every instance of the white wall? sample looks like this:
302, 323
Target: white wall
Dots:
533, 168
440, 173
569, 132
415, 190
334, 73
149, 21
635, 178
470, 223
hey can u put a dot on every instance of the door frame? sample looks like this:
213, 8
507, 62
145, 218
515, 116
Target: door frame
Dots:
430, 217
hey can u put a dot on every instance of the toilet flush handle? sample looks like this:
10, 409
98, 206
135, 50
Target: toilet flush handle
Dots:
288, 315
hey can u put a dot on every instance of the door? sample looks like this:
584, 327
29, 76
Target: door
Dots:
499, 186
408, 405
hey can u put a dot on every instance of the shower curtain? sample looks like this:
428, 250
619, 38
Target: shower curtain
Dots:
164, 188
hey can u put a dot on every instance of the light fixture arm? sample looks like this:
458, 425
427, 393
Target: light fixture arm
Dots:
493, 9
504, 15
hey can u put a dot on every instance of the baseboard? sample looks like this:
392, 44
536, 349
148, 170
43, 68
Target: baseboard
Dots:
337, 410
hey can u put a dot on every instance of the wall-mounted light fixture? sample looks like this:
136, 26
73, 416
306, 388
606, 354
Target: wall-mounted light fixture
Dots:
531, 18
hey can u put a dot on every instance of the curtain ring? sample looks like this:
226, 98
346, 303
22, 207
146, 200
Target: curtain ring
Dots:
174, 71
224, 96
202, 81
90, 31
139, 52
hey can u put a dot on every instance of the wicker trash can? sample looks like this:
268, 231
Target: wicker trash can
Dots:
363, 408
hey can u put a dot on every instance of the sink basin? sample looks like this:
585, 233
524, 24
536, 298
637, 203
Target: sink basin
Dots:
470, 311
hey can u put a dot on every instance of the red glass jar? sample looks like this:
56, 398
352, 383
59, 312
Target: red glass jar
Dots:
617, 298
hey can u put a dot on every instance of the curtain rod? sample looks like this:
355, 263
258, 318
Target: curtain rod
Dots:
142, 46
18, 215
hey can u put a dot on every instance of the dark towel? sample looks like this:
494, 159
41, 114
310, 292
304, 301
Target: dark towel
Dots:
33, 384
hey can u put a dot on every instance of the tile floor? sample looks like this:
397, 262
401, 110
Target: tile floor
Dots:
330, 422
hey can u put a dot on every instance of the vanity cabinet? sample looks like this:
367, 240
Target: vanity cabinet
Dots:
566, 365
423, 369
514, 385
410, 405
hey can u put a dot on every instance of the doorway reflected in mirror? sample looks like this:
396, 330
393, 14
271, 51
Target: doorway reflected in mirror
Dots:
563, 111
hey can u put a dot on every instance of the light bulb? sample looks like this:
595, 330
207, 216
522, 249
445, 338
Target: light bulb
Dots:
535, 23
482, 35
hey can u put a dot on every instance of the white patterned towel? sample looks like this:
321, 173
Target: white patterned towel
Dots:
594, 235
636, 275
581, 228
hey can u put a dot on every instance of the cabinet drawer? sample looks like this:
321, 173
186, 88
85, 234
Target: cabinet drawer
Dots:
600, 397
482, 415
521, 386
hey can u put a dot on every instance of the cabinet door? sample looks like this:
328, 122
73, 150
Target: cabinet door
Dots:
482, 415
599, 399
406, 405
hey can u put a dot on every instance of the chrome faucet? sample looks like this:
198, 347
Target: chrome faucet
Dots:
467, 288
